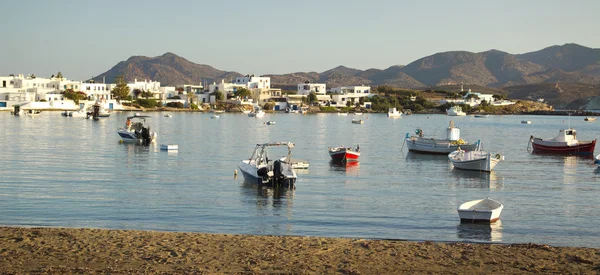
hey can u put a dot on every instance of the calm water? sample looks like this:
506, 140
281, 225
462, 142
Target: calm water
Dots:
70, 172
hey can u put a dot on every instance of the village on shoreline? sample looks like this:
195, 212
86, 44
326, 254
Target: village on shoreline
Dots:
247, 93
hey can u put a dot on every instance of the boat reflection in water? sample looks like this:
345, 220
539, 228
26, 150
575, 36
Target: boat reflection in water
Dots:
480, 232
477, 179
347, 166
273, 204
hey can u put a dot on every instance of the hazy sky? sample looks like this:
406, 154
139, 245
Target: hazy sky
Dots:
84, 38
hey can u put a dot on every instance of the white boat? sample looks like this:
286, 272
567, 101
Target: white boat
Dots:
168, 115
358, 121
136, 130
97, 111
484, 210
78, 113
392, 112
525, 121
270, 122
455, 111
342, 114
358, 114
261, 170
298, 164
214, 116
597, 160
590, 118
482, 116
32, 112
169, 147
474, 160
257, 113
421, 144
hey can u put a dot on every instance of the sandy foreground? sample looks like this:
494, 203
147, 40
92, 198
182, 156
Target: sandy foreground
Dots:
93, 251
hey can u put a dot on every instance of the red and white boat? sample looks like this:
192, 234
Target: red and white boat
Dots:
564, 143
343, 154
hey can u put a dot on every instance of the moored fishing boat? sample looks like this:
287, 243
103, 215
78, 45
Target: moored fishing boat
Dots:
590, 118
565, 142
474, 160
343, 154
421, 144
455, 111
484, 210
392, 112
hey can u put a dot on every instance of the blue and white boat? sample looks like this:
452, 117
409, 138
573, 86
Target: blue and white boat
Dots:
136, 130
261, 170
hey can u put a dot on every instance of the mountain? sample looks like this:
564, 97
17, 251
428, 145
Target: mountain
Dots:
169, 69
568, 57
569, 63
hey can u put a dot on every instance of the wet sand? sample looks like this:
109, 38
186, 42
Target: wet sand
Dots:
95, 251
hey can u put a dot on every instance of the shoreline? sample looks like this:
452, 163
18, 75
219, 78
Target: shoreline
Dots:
90, 251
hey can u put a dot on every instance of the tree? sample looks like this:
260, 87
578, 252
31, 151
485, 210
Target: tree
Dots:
147, 94
218, 95
121, 91
75, 96
312, 97
498, 97
190, 95
137, 92
242, 93
59, 75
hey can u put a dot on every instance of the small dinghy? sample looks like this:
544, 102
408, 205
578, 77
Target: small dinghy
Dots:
169, 147
484, 210
474, 160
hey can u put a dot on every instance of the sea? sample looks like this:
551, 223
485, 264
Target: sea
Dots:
60, 171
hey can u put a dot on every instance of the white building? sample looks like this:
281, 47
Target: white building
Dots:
254, 82
307, 88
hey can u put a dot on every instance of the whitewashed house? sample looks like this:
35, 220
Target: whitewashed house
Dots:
341, 95
307, 87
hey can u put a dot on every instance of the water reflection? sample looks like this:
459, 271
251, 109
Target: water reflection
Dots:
420, 157
478, 179
269, 197
350, 166
480, 231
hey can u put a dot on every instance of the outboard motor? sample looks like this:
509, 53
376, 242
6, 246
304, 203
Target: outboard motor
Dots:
146, 135
262, 172
277, 175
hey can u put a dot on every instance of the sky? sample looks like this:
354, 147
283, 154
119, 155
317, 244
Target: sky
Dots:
83, 39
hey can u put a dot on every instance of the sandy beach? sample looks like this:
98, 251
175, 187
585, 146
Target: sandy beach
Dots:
94, 251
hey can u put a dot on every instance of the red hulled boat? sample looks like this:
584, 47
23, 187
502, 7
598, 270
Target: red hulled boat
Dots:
564, 143
343, 154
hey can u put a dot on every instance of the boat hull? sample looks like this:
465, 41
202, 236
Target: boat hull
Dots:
344, 155
474, 160
480, 211
436, 146
582, 148
250, 174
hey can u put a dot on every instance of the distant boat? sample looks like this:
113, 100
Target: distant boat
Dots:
565, 142
455, 111
168, 115
270, 122
214, 116
358, 113
482, 116
297, 164
484, 210
342, 114
169, 147
392, 112
589, 119
32, 112
358, 121
525, 121
597, 160
474, 160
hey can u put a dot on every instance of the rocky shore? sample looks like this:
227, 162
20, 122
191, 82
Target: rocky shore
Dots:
99, 251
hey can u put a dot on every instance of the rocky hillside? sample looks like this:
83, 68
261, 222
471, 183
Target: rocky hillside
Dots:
169, 69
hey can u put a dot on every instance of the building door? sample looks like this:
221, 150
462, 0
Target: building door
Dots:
110, 106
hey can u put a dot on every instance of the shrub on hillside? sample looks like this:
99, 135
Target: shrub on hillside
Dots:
175, 105
147, 103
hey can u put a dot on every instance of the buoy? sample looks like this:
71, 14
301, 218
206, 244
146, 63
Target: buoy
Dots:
234, 173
